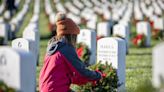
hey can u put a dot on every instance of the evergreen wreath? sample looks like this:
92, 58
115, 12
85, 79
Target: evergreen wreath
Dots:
109, 82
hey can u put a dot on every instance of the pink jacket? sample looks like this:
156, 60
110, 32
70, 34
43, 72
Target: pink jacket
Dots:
62, 67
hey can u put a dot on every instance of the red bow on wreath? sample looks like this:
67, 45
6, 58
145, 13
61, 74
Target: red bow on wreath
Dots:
83, 52
139, 40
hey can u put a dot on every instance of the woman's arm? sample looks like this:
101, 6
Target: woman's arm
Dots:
80, 73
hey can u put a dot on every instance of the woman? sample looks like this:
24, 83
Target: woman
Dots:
62, 67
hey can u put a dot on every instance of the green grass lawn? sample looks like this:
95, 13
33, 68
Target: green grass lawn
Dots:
138, 61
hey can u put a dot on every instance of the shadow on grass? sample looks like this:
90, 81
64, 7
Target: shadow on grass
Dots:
139, 54
45, 37
139, 67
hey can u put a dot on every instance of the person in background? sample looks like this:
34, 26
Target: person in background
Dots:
62, 67
10, 5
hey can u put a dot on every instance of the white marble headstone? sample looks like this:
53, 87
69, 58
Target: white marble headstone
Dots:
52, 18
32, 33
88, 37
115, 16
87, 13
157, 9
2, 7
104, 29
20, 18
91, 24
159, 23
126, 24
7, 15
78, 4
60, 7
24, 44
4, 32
144, 28
137, 13
72, 8
37, 7
113, 50
48, 8
35, 18
96, 2
14, 25
75, 18
98, 10
120, 30
158, 63
107, 14
17, 69
87, 3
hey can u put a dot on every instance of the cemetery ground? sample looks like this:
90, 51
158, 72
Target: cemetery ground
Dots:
138, 61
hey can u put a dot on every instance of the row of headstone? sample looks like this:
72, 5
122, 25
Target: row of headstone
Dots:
10, 8
157, 9
9, 29
48, 7
118, 12
125, 10
16, 21
87, 13
74, 17
17, 70
60, 7
72, 8
147, 11
128, 14
140, 9
106, 31
30, 33
161, 4
51, 14
138, 15
74, 11
113, 49
37, 7
87, 3
78, 4
123, 17
96, 3
153, 8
